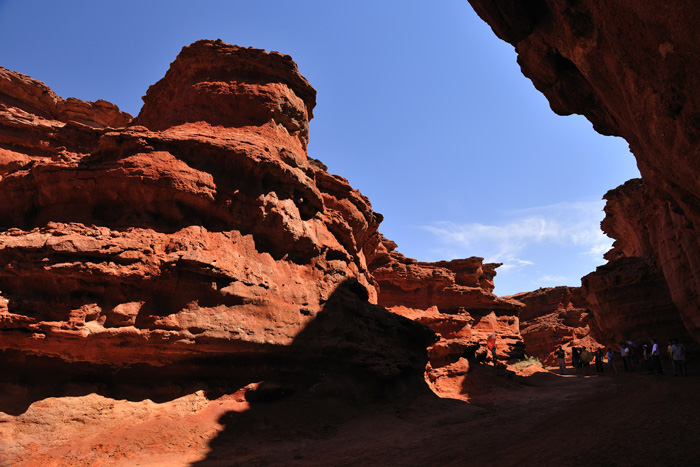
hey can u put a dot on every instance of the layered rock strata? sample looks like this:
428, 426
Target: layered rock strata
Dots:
631, 68
455, 299
630, 293
199, 237
554, 317
201, 229
22, 93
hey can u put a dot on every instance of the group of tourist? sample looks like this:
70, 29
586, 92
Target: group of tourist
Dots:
650, 352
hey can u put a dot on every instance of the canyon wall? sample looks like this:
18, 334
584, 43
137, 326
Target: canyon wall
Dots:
198, 231
631, 68
198, 243
630, 293
553, 317
455, 299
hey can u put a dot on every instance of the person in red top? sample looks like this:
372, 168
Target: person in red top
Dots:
491, 344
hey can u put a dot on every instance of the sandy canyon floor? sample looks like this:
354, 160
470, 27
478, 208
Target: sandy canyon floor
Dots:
534, 418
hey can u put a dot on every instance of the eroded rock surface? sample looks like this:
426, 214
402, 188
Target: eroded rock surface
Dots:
232, 87
553, 317
199, 230
21, 93
630, 294
193, 267
631, 68
455, 299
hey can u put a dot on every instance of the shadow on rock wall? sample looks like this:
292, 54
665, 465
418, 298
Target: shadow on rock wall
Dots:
25, 379
352, 350
354, 358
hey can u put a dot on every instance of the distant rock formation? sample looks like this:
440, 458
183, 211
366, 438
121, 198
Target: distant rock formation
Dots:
553, 317
631, 68
455, 299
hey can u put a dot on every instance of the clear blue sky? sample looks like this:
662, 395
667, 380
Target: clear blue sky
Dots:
420, 107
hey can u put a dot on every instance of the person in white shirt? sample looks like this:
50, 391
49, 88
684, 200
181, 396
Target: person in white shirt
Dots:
625, 352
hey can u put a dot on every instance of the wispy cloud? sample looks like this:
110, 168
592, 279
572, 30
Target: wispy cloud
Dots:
574, 225
548, 279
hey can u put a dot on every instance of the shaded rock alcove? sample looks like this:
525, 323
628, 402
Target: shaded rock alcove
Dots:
631, 69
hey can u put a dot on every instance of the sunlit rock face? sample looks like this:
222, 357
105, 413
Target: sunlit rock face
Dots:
24, 94
233, 87
199, 229
631, 68
554, 317
455, 299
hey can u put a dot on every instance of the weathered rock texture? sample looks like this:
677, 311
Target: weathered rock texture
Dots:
455, 299
198, 246
200, 230
631, 68
21, 92
553, 317
231, 87
630, 293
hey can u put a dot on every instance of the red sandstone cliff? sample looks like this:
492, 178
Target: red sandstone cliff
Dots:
195, 256
552, 317
199, 230
21, 93
200, 236
631, 68
455, 299
630, 293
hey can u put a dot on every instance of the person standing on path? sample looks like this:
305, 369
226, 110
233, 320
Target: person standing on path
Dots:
634, 355
575, 361
656, 357
611, 360
599, 360
625, 351
561, 357
679, 358
585, 356
648, 362
669, 349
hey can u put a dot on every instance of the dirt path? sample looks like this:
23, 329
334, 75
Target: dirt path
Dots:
628, 419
